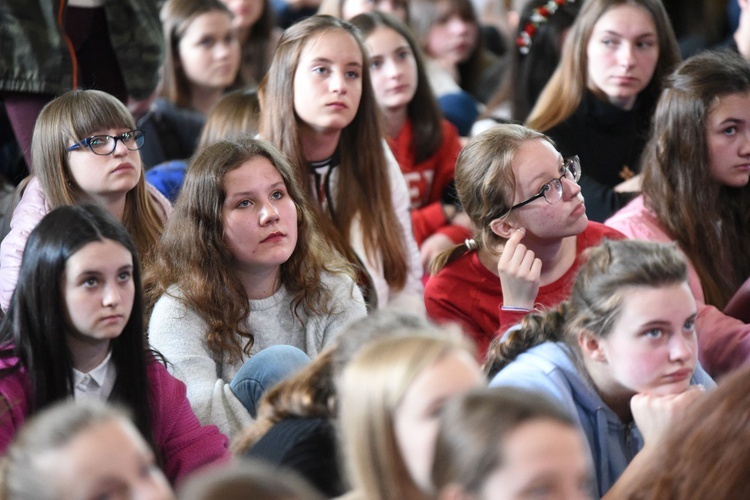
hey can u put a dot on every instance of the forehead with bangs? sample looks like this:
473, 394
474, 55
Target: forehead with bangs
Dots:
462, 8
315, 36
92, 111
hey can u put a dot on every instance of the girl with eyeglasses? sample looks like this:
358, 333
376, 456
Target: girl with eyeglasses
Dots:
85, 148
696, 192
530, 220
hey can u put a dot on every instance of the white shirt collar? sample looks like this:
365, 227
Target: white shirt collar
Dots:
97, 383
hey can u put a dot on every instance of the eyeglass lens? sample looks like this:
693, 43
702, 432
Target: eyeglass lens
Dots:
105, 144
553, 190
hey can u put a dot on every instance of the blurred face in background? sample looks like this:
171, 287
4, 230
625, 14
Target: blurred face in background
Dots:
622, 54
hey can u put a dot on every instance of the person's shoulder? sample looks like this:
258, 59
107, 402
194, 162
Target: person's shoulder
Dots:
596, 231
173, 295
450, 132
338, 282
33, 197
335, 279
172, 306
636, 220
543, 368
460, 269
544, 358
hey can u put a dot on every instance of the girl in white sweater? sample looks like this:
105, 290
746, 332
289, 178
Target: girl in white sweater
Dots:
243, 268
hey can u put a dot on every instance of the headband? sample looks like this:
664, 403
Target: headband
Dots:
540, 15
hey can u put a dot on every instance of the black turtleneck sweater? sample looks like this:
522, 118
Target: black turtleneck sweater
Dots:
609, 140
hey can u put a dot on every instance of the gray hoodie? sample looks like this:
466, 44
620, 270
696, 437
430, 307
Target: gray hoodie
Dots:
549, 369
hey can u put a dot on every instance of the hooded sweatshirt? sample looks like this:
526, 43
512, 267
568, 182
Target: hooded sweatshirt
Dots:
549, 369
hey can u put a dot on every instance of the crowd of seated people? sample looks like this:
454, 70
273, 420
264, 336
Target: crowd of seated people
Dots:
374, 250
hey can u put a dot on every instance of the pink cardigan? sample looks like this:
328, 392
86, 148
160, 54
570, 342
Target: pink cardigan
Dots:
30, 210
724, 341
185, 445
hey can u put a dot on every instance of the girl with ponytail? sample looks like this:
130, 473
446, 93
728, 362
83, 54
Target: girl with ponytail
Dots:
620, 355
530, 227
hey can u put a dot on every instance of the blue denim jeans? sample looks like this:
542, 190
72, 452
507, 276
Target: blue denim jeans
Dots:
263, 370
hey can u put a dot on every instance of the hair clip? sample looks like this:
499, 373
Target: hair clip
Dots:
540, 15
471, 244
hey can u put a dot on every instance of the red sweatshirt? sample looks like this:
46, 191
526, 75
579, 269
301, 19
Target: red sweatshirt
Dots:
427, 180
468, 293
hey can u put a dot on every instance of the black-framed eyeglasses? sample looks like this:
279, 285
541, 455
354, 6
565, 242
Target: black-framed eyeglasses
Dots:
552, 191
106, 144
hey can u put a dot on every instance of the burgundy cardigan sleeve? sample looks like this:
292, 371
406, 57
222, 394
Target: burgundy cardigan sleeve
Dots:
185, 444
14, 404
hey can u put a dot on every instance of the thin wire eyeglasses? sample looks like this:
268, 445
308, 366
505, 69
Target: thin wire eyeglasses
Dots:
104, 145
553, 190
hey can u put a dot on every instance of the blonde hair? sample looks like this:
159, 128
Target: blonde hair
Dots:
370, 389
73, 116
235, 115
486, 184
473, 427
563, 93
50, 430
708, 220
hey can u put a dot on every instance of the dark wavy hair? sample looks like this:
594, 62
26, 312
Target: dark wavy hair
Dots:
37, 324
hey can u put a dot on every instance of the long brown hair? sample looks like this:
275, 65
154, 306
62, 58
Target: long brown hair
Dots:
425, 14
711, 223
364, 188
194, 256
563, 93
176, 17
423, 109
257, 50
74, 116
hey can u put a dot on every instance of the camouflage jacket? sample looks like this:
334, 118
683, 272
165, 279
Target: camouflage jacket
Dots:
36, 56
